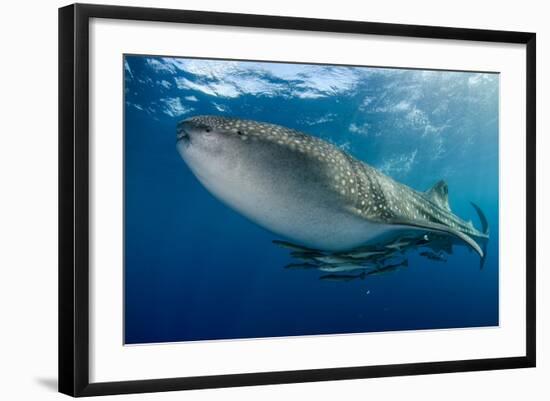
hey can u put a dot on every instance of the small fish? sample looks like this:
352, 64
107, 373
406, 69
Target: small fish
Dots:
364, 254
398, 245
342, 267
342, 277
306, 255
294, 247
440, 244
334, 259
388, 268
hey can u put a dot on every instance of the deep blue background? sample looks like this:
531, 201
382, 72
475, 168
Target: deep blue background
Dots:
196, 270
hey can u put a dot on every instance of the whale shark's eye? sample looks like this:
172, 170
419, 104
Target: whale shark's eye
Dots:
208, 130
240, 132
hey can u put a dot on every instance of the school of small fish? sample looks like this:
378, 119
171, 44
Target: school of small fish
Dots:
372, 260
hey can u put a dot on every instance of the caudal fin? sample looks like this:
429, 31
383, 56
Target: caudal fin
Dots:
482, 219
485, 229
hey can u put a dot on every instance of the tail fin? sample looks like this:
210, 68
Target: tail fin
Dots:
485, 228
482, 218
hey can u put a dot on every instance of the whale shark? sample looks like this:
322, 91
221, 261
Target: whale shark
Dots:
313, 193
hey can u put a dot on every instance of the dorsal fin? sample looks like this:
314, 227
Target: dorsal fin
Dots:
439, 194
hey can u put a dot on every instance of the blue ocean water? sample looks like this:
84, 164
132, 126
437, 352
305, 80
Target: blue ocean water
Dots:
197, 270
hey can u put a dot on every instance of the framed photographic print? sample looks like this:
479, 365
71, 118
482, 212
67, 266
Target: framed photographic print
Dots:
249, 199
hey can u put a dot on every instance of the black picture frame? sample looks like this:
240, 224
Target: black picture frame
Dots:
74, 198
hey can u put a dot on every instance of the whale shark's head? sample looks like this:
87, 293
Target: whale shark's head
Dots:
211, 136
217, 147
231, 153
231, 157
230, 148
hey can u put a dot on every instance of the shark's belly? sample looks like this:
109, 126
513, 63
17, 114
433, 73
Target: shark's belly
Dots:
308, 216
328, 231
319, 228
